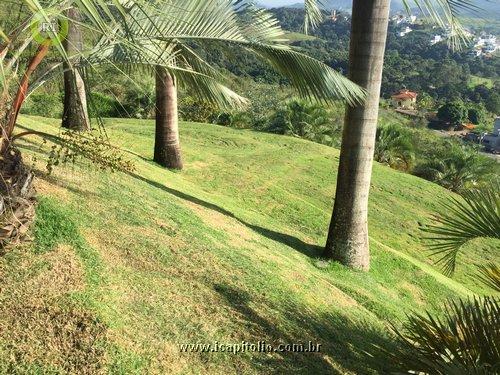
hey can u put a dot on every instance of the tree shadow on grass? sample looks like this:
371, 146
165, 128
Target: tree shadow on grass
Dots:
352, 345
295, 243
35, 149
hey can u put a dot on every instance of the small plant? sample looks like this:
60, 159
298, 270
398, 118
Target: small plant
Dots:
91, 146
466, 340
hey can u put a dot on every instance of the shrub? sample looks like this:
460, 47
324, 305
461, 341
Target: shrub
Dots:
477, 114
101, 105
453, 112
191, 109
43, 104
456, 166
394, 147
140, 103
304, 120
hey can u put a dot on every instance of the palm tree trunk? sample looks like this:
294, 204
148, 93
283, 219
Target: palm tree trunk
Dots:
348, 234
167, 142
75, 114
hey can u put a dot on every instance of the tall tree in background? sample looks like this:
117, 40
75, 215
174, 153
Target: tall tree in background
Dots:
348, 234
348, 240
167, 151
75, 114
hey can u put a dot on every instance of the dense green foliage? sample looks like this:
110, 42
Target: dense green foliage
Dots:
395, 148
453, 112
309, 121
455, 166
411, 61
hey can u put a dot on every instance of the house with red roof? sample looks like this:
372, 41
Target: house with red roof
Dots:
404, 99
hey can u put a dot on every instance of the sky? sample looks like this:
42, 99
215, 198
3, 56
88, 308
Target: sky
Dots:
276, 3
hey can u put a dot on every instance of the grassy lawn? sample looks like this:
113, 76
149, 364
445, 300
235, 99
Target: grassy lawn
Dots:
124, 268
299, 37
476, 81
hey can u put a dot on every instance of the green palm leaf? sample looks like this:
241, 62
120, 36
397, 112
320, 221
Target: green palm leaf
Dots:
313, 14
490, 275
466, 340
241, 24
476, 216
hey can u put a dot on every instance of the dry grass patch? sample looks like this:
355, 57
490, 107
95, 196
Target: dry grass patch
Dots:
45, 187
415, 292
40, 325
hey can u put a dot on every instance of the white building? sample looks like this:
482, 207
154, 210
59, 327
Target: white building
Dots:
405, 31
496, 126
436, 39
491, 142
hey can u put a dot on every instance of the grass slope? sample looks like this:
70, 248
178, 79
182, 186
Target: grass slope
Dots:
126, 267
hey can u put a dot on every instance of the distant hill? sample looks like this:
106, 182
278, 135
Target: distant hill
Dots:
491, 8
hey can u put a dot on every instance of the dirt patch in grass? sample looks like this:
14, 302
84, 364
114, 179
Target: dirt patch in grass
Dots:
63, 273
46, 188
42, 329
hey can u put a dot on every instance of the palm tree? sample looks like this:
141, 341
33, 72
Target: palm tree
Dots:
231, 24
348, 234
75, 113
167, 150
102, 18
347, 240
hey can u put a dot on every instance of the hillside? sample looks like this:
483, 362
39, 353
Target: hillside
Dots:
124, 268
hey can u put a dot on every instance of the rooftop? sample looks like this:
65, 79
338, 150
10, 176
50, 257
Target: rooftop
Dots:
404, 94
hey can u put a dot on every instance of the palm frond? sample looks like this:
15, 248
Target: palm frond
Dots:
465, 341
476, 216
313, 14
312, 78
490, 275
446, 14
190, 70
240, 24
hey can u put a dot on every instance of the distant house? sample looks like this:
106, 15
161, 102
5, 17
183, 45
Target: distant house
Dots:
405, 31
496, 126
491, 141
404, 99
436, 39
